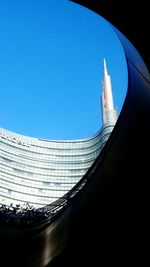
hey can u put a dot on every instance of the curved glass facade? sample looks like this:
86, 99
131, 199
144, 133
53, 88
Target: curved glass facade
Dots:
38, 171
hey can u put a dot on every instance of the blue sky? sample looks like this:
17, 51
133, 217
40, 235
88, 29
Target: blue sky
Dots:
51, 69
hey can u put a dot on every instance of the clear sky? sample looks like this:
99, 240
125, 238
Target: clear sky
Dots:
51, 68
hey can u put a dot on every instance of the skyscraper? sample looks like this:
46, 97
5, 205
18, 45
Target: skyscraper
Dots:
39, 171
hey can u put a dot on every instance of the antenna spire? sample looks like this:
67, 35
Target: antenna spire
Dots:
109, 114
105, 67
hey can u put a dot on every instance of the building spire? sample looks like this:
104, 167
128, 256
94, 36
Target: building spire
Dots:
108, 111
105, 67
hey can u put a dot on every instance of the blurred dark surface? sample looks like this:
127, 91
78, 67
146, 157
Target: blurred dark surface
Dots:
132, 19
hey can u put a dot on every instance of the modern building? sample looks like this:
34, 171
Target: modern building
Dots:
39, 171
107, 221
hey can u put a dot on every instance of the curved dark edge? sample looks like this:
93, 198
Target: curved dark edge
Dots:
106, 221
